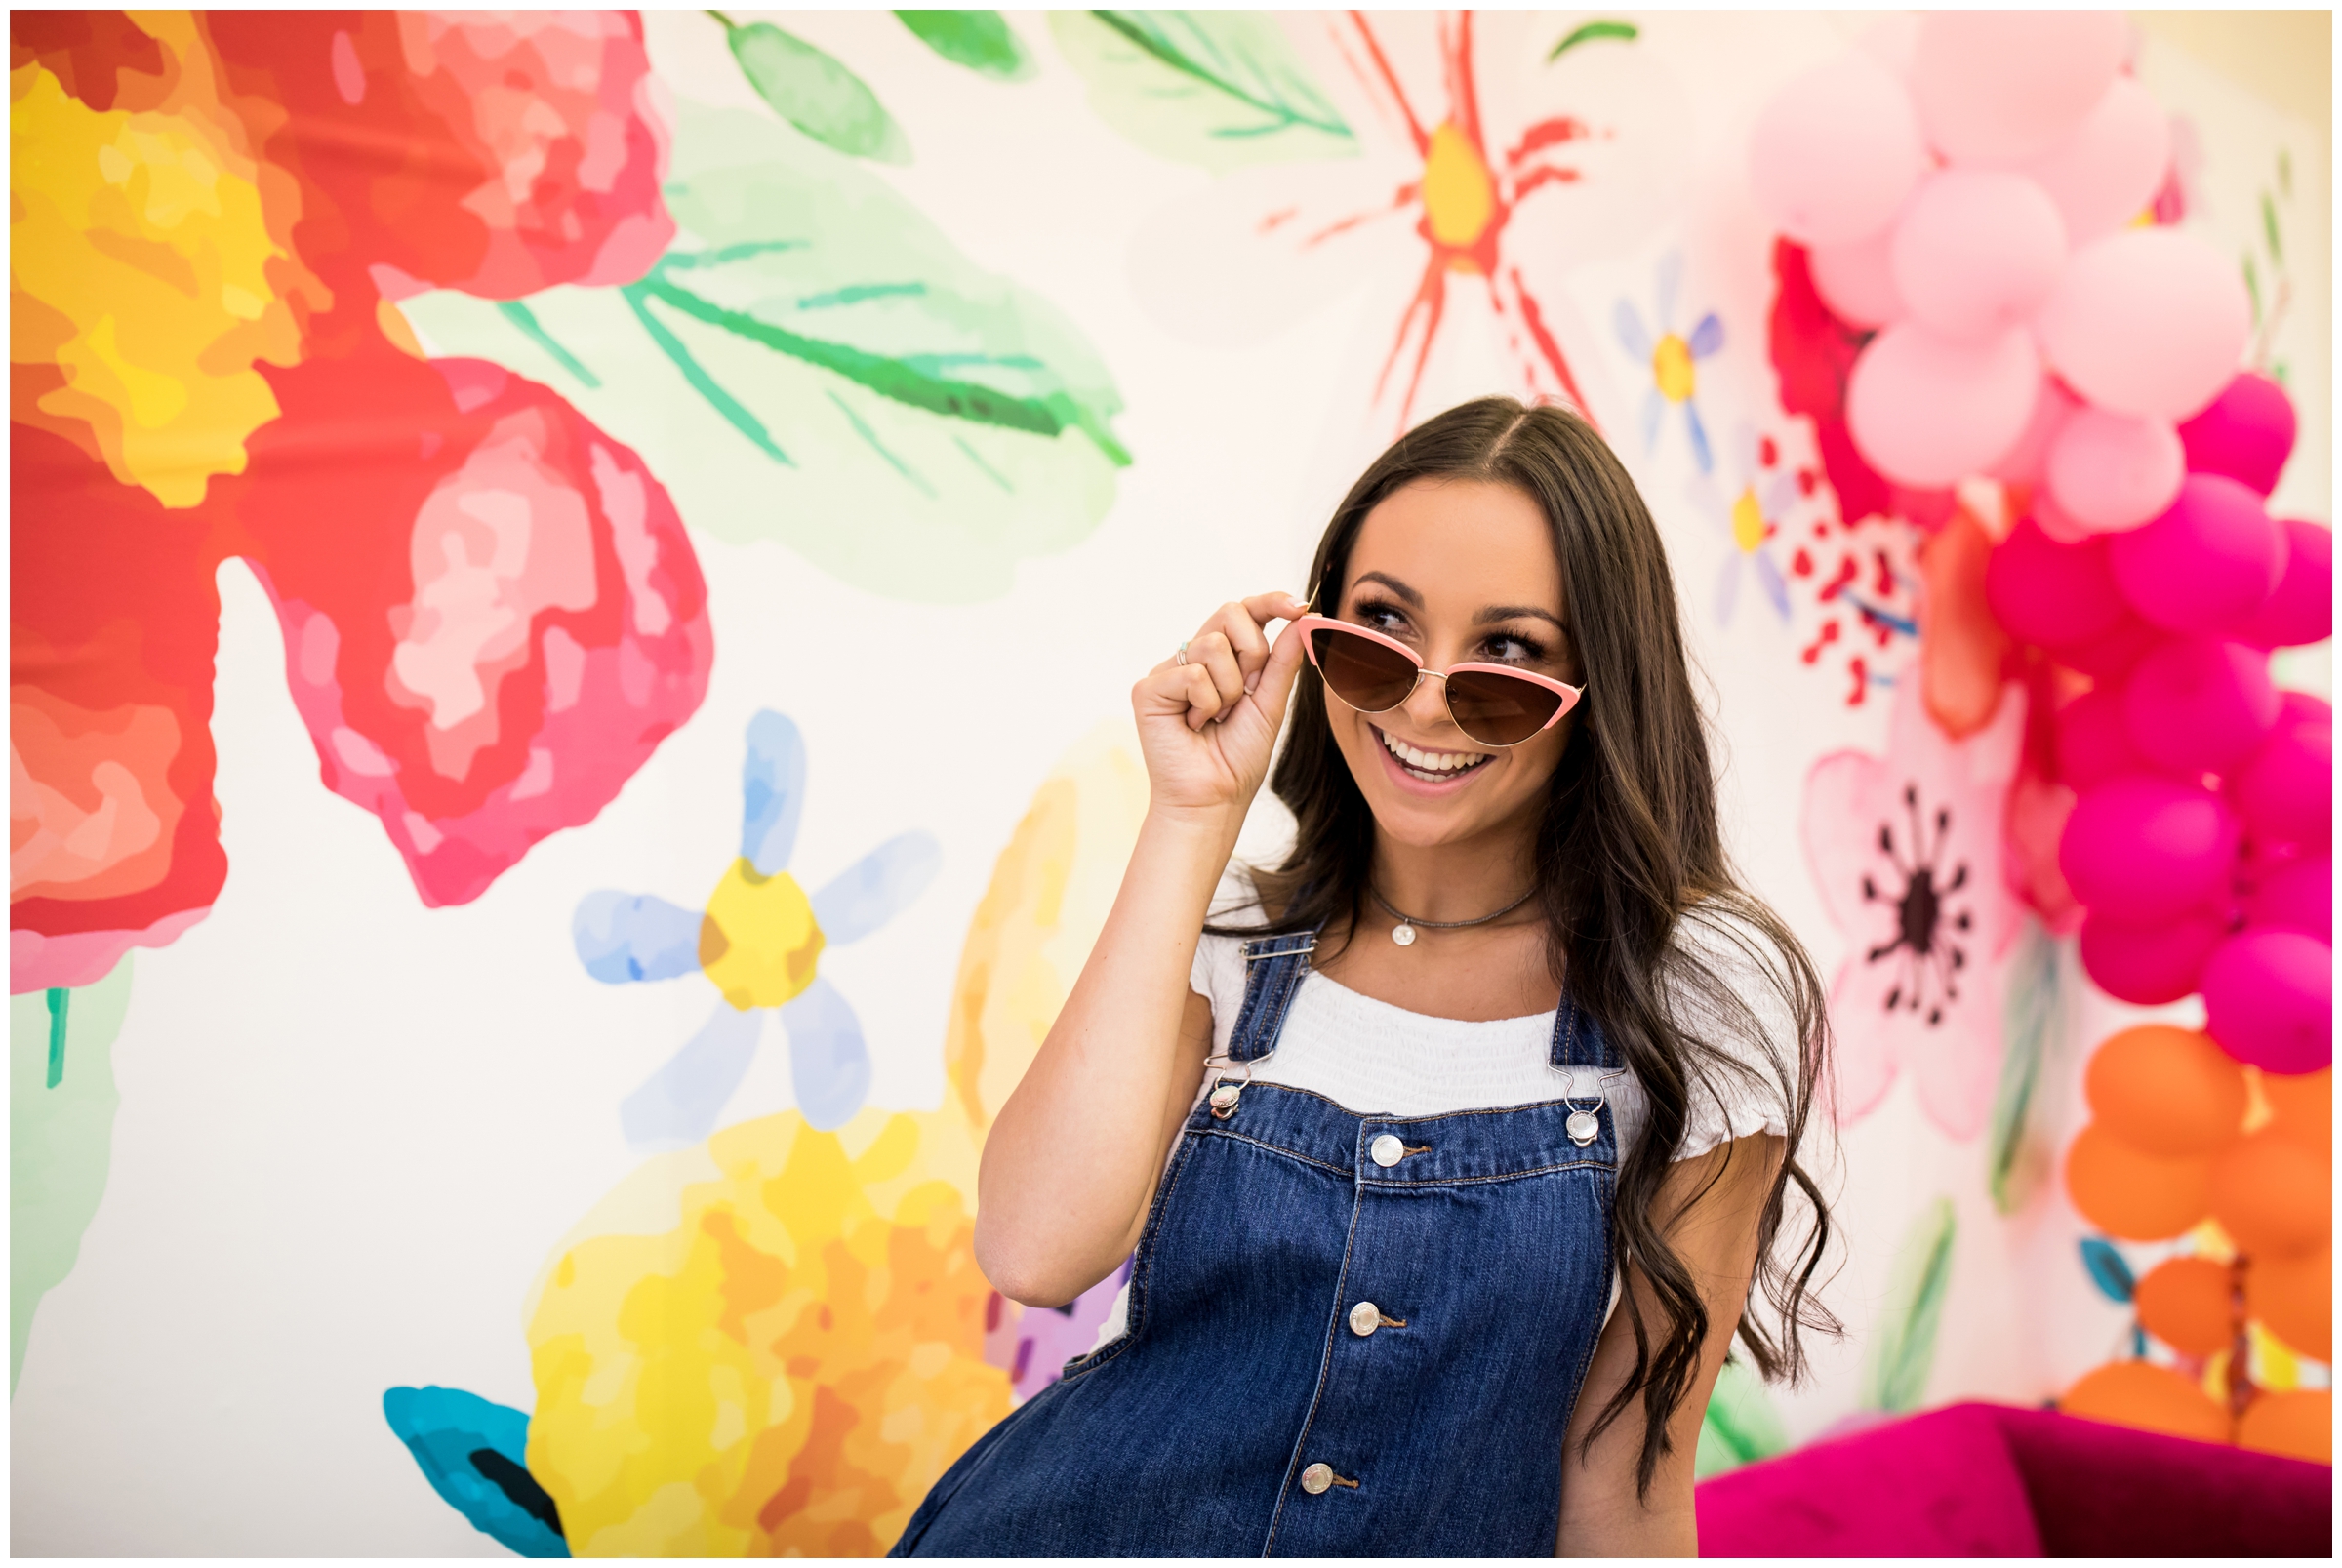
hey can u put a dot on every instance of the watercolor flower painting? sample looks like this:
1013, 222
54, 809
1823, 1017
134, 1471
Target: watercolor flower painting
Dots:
1751, 506
1673, 357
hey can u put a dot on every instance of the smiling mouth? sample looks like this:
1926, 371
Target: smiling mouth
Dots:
1432, 767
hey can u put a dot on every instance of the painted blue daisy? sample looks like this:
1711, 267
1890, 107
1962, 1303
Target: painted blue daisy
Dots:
1674, 360
1749, 505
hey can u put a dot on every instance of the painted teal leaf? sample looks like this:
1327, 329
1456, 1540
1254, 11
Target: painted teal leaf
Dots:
1626, 32
980, 40
2109, 1270
62, 1101
815, 364
475, 1456
1903, 1344
1740, 1426
2018, 1157
1217, 88
814, 92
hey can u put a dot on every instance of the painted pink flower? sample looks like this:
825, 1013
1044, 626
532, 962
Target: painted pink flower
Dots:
1906, 849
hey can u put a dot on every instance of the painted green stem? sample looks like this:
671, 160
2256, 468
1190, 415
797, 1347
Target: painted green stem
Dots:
59, 999
1187, 68
521, 316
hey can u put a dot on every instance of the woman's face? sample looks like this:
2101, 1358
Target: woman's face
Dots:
1462, 571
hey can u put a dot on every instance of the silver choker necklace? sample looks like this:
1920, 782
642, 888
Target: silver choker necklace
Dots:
1404, 931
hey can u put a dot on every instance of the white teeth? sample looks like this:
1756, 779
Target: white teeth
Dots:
1429, 761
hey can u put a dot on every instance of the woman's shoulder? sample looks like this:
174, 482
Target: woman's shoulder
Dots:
1738, 939
1736, 991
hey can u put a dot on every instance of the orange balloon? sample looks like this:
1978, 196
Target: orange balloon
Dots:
2166, 1092
2274, 1196
2186, 1302
2303, 1105
2133, 1196
2152, 1398
2293, 1299
2299, 1424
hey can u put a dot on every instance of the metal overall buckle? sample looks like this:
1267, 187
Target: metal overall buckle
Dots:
1584, 1126
1225, 1094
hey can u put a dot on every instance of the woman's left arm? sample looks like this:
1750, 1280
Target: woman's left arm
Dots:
1716, 1236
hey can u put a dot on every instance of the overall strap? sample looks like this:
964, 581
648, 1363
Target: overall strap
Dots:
1274, 970
1578, 1037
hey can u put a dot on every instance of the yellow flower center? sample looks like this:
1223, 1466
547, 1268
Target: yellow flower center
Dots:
1671, 368
1748, 521
1457, 196
759, 940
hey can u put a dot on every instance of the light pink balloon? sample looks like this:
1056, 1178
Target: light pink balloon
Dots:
2025, 463
1925, 411
1834, 154
2147, 321
2001, 88
2113, 471
1977, 251
2105, 173
1856, 280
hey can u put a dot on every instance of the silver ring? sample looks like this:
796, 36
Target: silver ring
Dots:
1183, 653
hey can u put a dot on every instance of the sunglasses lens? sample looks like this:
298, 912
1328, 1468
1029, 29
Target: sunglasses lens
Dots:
1498, 709
1362, 672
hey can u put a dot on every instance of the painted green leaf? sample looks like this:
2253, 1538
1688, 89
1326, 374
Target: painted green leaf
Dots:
1741, 1426
1903, 1344
980, 40
814, 92
2269, 230
1217, 88
59, 1138
2252, 287
1625, 32
2018, 1157
815, 363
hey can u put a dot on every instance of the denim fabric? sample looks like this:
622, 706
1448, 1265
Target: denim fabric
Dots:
1490, 1238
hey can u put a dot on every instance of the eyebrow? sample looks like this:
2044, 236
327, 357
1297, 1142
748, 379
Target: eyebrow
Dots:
1488, 617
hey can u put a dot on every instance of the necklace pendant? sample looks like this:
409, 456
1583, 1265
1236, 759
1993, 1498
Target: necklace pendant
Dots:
1403, 934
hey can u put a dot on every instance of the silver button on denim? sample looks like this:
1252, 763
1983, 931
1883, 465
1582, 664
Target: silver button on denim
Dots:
1365, 1318
1387, 1150
1316, 1478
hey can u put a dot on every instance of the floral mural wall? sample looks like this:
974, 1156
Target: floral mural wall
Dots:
698, 485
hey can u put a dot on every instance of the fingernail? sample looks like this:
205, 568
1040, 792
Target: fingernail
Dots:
1250, 683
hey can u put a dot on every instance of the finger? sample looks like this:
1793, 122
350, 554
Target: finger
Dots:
1235, 622
1275, 689
1267, 606
1202, 694
1217, 655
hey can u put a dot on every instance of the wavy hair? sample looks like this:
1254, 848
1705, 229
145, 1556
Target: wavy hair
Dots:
1629, 851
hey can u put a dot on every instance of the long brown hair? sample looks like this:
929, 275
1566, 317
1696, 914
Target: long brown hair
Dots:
1628, 850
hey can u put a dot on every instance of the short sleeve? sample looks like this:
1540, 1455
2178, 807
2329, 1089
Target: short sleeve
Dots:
1747, 1091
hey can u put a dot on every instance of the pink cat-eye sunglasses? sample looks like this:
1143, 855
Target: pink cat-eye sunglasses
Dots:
1494, 705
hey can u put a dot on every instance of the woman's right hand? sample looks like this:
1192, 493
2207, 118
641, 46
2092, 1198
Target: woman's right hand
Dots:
1208, 727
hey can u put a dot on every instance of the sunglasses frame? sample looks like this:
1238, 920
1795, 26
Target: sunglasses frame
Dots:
1570, 695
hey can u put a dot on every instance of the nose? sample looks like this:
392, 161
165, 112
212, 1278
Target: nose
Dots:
1427, 703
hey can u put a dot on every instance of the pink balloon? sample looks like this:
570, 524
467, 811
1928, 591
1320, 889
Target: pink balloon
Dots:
1925, 411
2246, 432
1835, 152
2147, 321
2269, 996
2093, 742
2026, 461
2284, 791
2106, 173
2208, 562
2139, 850
2113, 471
1856, 282
2149, 965
2302, 609
2004, 87
2296, 896
2110, 656
2193, 706
2050, 593
1976, 251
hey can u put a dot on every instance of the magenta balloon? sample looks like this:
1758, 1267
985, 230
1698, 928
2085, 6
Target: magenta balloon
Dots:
2302, 609
2024, 462
2005, 87
1856, 281
1835, 152
2152, 964
2268, 999
2141, 849
2245, 433
1925, 411
2147, 321
2114, 471
1976, 251
2106, 173
2093, 744
2284, 791
2194, 705
2296, 896
2208, 563
2050, 593
2111, 656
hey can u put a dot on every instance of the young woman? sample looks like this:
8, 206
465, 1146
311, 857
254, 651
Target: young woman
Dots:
1451, 1174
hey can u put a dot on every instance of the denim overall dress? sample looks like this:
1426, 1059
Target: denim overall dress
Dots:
1349, 1336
